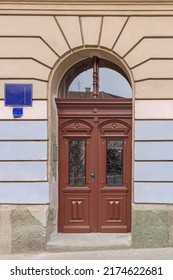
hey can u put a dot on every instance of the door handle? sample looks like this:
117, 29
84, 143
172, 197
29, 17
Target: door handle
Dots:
92, 177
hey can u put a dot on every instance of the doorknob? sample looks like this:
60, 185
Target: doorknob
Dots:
92, 176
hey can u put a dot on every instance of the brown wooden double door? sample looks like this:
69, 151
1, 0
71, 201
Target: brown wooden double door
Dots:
94, 166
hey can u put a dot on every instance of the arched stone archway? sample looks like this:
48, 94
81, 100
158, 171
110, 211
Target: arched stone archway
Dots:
68, 61
55, 86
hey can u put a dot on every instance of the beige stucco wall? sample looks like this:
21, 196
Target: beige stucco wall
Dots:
39, 42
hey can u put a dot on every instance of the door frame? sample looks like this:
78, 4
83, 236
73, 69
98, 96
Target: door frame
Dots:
115, 108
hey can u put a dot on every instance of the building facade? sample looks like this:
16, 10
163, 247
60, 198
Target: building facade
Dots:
40, 41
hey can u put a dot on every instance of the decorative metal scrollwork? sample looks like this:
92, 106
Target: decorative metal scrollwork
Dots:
77, 162
114, 162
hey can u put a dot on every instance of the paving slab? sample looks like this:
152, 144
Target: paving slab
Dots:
124, 254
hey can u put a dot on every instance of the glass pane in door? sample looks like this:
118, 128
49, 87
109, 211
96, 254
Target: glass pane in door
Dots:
77, 163
114, 162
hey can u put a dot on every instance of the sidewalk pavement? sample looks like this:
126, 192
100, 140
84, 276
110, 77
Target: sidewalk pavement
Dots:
124, 254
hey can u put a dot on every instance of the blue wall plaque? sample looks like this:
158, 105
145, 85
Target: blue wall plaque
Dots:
17, 112
18, 94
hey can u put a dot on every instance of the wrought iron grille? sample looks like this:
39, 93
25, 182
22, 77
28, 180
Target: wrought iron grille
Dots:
77, 163
114, 162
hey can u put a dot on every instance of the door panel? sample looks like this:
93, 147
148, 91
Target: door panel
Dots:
74, 171
76, 213
114, 181
94, 168
113, 214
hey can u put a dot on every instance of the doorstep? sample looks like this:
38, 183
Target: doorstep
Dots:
70, 242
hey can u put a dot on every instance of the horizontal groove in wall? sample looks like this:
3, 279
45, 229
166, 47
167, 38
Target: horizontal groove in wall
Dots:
153, 98
24, 140
169, 182
24, 160
147, 120
27, 182
21, 120
33, 99
164, 119
154, 79
113, 8
24, 78
73, 12
154, 160
27, 203
143, 141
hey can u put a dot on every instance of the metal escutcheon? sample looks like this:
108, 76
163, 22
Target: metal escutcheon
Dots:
92, 177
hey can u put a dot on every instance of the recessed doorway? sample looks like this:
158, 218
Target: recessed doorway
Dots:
95, 155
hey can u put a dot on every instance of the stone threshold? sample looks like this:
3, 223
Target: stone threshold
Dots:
70, 242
